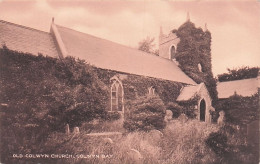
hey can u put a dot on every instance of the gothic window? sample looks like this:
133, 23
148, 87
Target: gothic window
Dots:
172, 52
151, 91
117, 96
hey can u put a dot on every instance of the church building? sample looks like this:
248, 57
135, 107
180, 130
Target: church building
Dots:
129, 72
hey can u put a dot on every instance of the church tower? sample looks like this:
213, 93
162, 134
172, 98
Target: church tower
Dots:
168, 45
190, 48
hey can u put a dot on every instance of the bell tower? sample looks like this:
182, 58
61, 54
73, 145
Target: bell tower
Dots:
168, 45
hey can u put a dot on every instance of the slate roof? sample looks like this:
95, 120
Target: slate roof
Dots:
109, 55
188, 92
27, 40
245, 87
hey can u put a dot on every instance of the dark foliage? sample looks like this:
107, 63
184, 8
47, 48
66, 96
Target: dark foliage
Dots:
144, 114
189, 107
111, 116
176, 109
218, 143
239, 73
40, 95
240, 110
230, 147
193, 49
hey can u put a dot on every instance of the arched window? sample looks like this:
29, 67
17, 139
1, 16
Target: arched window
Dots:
199, 67
202, 110
151, 91
117, 96
172, 52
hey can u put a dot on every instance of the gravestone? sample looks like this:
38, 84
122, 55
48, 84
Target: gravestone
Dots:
76, 130
108, 141
183, 118
135, 156
154, 136
106, 144
67, 129
168, 116
221, 118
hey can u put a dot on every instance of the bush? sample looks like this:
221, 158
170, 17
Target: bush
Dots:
42, 95
230, 146
176, 109
112, 116
145, 113
189, 107
240, 110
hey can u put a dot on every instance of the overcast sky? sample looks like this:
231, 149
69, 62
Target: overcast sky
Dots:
234, 25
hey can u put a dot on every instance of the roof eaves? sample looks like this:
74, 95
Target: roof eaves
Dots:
25, 27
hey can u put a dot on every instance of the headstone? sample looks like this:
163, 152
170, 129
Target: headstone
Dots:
183, 118
135, 155
76, 130
67, 129
108, 141
154, 136
221, 118
168, 116
95, 121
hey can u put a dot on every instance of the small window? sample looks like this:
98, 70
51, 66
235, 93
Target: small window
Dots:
151, 91
199, 67
172, 52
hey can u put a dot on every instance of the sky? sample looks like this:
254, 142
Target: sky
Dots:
234, 25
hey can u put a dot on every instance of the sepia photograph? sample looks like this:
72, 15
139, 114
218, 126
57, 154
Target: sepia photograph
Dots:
129, 82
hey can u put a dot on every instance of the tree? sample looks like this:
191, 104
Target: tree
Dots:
239, 73
40, 95
147, 45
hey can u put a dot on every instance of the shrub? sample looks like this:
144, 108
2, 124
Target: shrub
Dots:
145, 113
240, 110
230, 146
42, 95
112, 116
175, 108
189, 107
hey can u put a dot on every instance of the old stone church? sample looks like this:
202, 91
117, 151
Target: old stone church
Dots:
129, 72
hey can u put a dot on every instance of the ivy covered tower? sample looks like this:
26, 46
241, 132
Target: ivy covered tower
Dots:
190, 47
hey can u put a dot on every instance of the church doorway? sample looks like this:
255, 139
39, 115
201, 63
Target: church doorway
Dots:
202, 110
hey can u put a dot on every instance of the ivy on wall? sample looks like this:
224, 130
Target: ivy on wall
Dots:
193, 49
40, 95
136, 86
